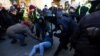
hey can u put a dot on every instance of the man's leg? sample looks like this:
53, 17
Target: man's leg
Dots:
14, 40
32, 29
37, 30
60, 47
43, 34
21, 39
42, 46
77, 53
2, 32
34, 49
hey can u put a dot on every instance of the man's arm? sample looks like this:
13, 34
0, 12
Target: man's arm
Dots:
29, 33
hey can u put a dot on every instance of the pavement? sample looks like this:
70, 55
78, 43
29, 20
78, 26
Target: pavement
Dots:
8, 49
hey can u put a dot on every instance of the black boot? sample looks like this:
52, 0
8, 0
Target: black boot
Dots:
58, 50
66, 48
24, 44
56, 54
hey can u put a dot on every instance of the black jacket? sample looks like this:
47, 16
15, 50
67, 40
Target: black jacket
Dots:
80, 37
3, 18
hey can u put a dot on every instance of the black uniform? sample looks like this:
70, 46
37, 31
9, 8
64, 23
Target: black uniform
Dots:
54, 11
67, 26
3, 23
85, 41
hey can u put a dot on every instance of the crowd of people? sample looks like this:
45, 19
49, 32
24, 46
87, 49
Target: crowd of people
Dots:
79, 27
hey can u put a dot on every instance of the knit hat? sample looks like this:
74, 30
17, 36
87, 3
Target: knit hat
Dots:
31, 7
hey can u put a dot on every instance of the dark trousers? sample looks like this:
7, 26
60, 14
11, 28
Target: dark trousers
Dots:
2, 32
20, 37
63, 45
40, 31
87, 50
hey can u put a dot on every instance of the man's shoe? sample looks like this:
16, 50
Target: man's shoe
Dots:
66, 48
55, 55
13, 41
24, 44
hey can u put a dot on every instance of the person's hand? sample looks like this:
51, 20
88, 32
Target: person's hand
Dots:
35, 37
0, 26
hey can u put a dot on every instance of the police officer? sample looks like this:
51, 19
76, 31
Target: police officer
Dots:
66, 25
83, 10
53, 9
13, 18
22, 11
3, 19
31, 13
86, 37
45, 10
67, 6
59, 14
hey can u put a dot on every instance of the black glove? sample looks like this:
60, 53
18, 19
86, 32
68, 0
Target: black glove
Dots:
72, 45
57, 35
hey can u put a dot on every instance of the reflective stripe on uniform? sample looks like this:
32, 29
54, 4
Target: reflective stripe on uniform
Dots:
88, 5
